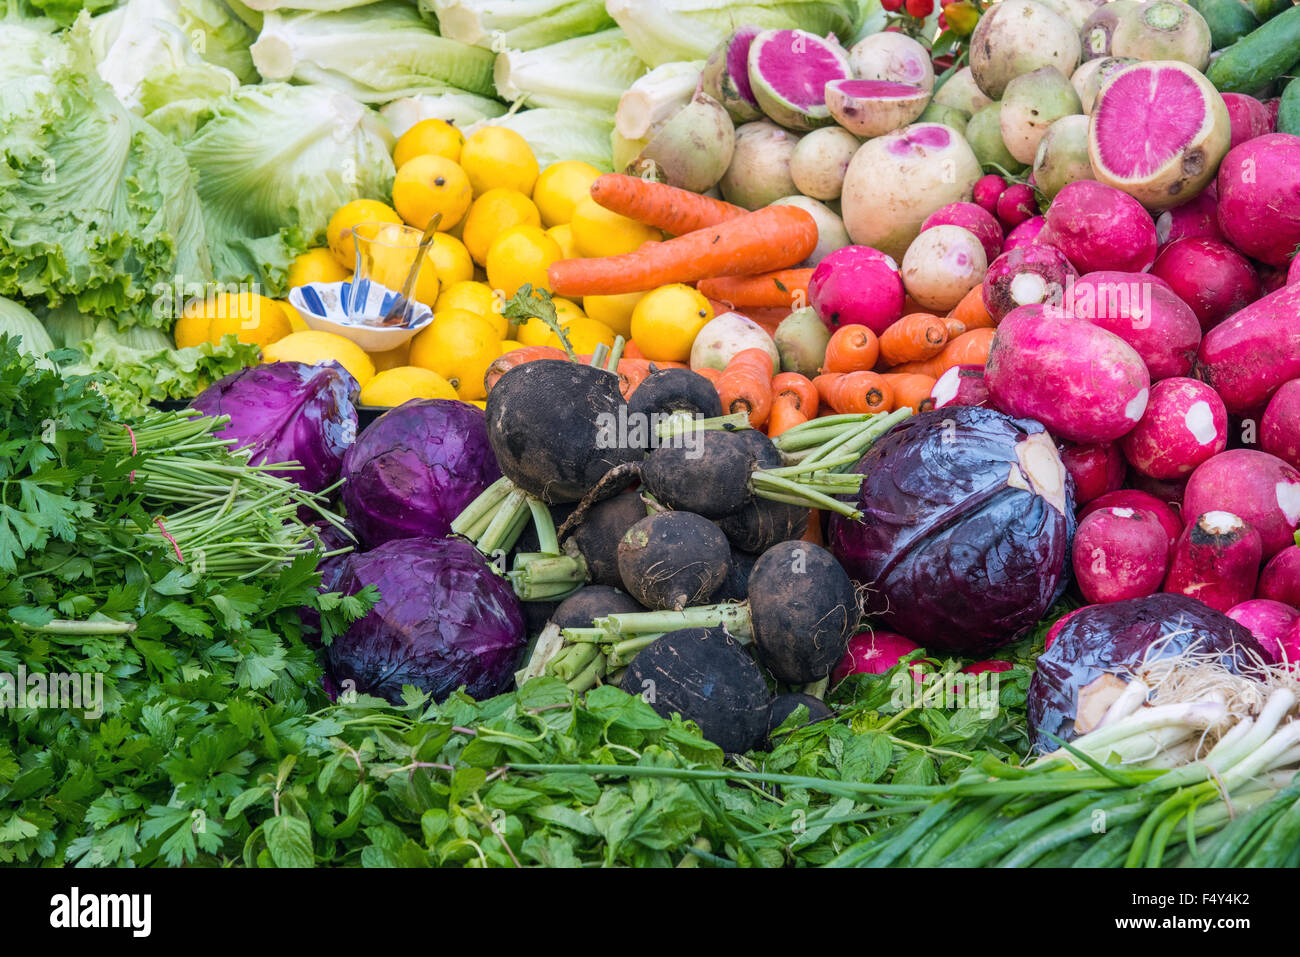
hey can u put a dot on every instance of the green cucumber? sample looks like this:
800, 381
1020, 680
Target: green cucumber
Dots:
1229, 20
1288, 109
1260, 57
1266, 10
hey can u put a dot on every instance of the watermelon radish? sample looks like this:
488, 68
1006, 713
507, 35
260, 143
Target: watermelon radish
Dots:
942, 265
1158, 132
1093, 75
895, 181
984, 134
1075, 12
1162, 30
1015, 37
1098, 29
1031, 103
960, 92
788, 73
892, 57
1062, 156
874, 107
1259, 197
725, 76
820, 160
760, 165
1210, 276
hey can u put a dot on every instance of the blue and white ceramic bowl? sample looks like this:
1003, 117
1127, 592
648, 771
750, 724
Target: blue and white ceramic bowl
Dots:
339, 308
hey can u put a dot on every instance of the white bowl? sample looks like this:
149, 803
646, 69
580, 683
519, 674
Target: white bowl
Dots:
324, 307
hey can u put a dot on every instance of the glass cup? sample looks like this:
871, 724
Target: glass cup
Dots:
385, 254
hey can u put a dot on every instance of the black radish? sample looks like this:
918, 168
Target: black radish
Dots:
673, 560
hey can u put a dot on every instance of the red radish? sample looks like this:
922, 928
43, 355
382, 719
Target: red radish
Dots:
1026, 276
1269, 621
1016, 204
1084, 383
1119, 553
1271, 278
1169, 491
1248, 356
873, 653
987, 191
869, 108
974, 218
1058, 625
1259, 487
1280, 579
1249, 118
995, 666
1279, 429
1210, 276
1216, 560
1096, 468
1274, 106
1026, 234
1099, 227
1290, 644
1293, 274
857, 285
1144, 312
1159, 130
1259, 197
1197, 218
960, 385
1185, 423
1142, 501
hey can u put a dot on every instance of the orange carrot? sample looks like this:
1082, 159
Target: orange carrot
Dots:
914, 338
847, 392
911, 389
971, 311
746, 385
852, 348
813, 533
632, 350
774, 237
783, 288
504, 363
675, 211
799, 388
785, 414
632, 372
955, 326
969, 348
713, 375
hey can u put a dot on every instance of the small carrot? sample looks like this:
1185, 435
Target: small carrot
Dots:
911, 389
914, 338
632, 372
746, 385
851, 349
813, 533
504, 363
632, 350
675, 211
955, 327
775, 237
849, 392
971, 311
782, 288
713, 375
968, 349
785, 414
800, 388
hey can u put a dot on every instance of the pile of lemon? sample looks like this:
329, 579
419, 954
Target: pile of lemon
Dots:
504, 222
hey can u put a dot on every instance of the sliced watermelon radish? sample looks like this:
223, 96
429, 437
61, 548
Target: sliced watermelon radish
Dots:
869, 108
1158, 132
788, 73
725, 76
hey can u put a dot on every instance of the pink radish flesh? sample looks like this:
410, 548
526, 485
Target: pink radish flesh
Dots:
960, 385
1096, 468
1185, 423
1280, 579
1261, 488
1142, 501
1210, 276
1138, 106
873, 653
1099, 227
1279, 429
1269, 621
1216, 561
1119, 553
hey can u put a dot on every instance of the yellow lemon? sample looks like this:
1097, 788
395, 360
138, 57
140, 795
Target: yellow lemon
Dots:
392, 358
521, 255
584, 335
509, 345
387, 253
394, 386
245, 315
494, 157
317, 265
599, 232
563, 234
478, 404
296, 322
431, 184
339, 230
492, 214
666, 321
315, 347
560, 188
535, 332
468, 294
459, 346
566, 310
437, 137
613, 311
191, 328
452, 260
